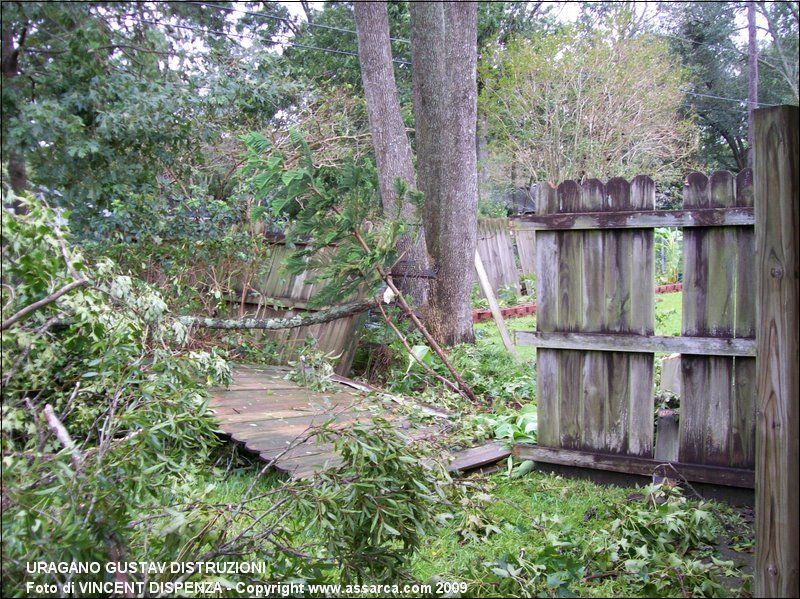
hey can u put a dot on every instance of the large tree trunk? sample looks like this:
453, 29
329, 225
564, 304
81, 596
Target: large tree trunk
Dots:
444, 57
389, 140
752, 86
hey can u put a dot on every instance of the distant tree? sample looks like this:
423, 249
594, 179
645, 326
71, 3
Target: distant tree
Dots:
109, 104
576, 105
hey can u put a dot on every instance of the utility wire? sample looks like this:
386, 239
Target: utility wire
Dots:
288, 20
737, 100
251, 38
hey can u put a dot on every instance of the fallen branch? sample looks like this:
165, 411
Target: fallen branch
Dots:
61, 433
42, 302
293, 322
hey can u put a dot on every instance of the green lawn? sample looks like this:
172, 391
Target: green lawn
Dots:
668, 314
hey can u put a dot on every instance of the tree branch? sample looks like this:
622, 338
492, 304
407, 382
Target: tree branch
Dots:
293, 322
42, 302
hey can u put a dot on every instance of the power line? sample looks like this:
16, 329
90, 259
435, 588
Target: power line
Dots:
251, 38
737, 100
288, 20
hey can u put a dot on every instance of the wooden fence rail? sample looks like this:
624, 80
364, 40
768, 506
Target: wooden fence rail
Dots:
596, 315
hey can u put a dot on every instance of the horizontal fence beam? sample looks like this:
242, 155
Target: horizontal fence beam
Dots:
637, 219
700, 473
625, 342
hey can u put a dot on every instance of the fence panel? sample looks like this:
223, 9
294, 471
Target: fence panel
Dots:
593, 281
717, 420
496, 250
277, 293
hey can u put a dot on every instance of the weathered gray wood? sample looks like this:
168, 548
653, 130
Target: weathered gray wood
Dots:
496, 249
638, 219
622, 342
642, 321
595, 281
777, 197
736, 477
476, 457
718, 397
548, 315
667, 437
570, 298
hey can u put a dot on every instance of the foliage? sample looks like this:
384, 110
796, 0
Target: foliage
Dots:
669, 254
116, 109
108, 359
374, 511
668, 314
313, 368
706, 36
589, 542
337, 225
511, 427
108, 362
574, 105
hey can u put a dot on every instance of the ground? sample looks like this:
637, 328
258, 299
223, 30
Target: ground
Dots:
506, 520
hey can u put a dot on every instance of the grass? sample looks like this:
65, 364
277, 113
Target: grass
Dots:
668, 314
517, 516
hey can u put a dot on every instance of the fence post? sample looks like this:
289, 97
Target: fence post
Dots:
777, 430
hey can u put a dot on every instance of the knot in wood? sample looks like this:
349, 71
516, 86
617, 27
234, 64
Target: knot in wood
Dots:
776, 272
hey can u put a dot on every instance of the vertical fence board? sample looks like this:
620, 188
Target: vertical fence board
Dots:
570, 284
547, 318
595, 372
777, 195
496, 249
642, 321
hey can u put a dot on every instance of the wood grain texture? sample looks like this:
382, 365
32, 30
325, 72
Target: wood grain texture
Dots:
718, 399
496, 249
645, 218
777, 197
594, 282
735, 477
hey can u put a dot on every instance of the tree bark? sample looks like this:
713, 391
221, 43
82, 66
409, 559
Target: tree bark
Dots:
292, 322
389, 140
444, 57
752, 81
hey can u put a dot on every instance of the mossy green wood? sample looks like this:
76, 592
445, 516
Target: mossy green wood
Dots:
718, 401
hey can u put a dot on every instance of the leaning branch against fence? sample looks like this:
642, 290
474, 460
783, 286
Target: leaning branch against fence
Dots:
293, 322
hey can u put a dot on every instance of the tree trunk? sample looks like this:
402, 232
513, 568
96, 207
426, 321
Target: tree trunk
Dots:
389, 139
444, 57
752, 82
10, 70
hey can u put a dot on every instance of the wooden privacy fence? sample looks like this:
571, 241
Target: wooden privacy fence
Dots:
276, 293
595, 326
507, 253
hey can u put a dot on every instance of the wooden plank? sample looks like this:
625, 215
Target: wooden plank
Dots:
777, 171
638, 219
717, 407
476, 457
548, 315
641, 317
624, 342
618, 285
594, 367
735, 477
486, 287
